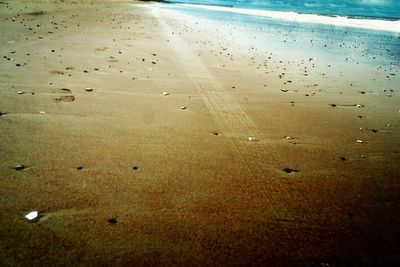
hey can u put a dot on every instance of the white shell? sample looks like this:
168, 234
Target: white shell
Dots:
360, 141
183, 107
42, 112
31, 216
359, 106
165, 93
251, 138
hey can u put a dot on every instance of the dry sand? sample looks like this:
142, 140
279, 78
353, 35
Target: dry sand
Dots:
122, 176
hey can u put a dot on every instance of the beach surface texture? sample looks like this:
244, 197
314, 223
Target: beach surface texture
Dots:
159, 134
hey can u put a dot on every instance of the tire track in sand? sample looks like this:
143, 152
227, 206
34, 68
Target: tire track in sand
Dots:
257, 156
227, 114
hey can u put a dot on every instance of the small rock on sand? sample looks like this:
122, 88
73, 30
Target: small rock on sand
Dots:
32, 216
112, 221
88, 89
19, 167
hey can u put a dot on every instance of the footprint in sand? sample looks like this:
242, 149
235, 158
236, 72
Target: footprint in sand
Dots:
65, 98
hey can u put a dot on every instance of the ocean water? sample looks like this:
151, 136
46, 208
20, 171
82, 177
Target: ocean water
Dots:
380, 9
382, 15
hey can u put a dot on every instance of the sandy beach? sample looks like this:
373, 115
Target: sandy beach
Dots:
144, 138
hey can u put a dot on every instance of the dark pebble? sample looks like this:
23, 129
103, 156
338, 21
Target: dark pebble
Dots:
19, 167
289, 170
135, 168
112, 221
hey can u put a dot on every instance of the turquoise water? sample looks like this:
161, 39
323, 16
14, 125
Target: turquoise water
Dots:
378, 9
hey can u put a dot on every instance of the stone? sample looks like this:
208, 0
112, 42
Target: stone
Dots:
32, 216
19, 167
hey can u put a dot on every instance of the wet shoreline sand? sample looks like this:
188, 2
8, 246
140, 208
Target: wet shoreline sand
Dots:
122, 175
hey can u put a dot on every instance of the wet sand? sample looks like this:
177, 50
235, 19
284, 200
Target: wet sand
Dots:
261, 166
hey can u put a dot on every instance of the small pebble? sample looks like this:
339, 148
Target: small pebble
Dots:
32, 216
112, 221
88, 89
183, 107
165, 93
42, 112
360, 141
251, 138
289, 170
19, 167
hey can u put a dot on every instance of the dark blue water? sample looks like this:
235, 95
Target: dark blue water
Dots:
380, 9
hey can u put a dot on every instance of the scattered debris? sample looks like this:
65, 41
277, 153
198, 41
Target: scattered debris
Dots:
32, 216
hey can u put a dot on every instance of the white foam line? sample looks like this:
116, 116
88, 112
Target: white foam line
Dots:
381, 25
